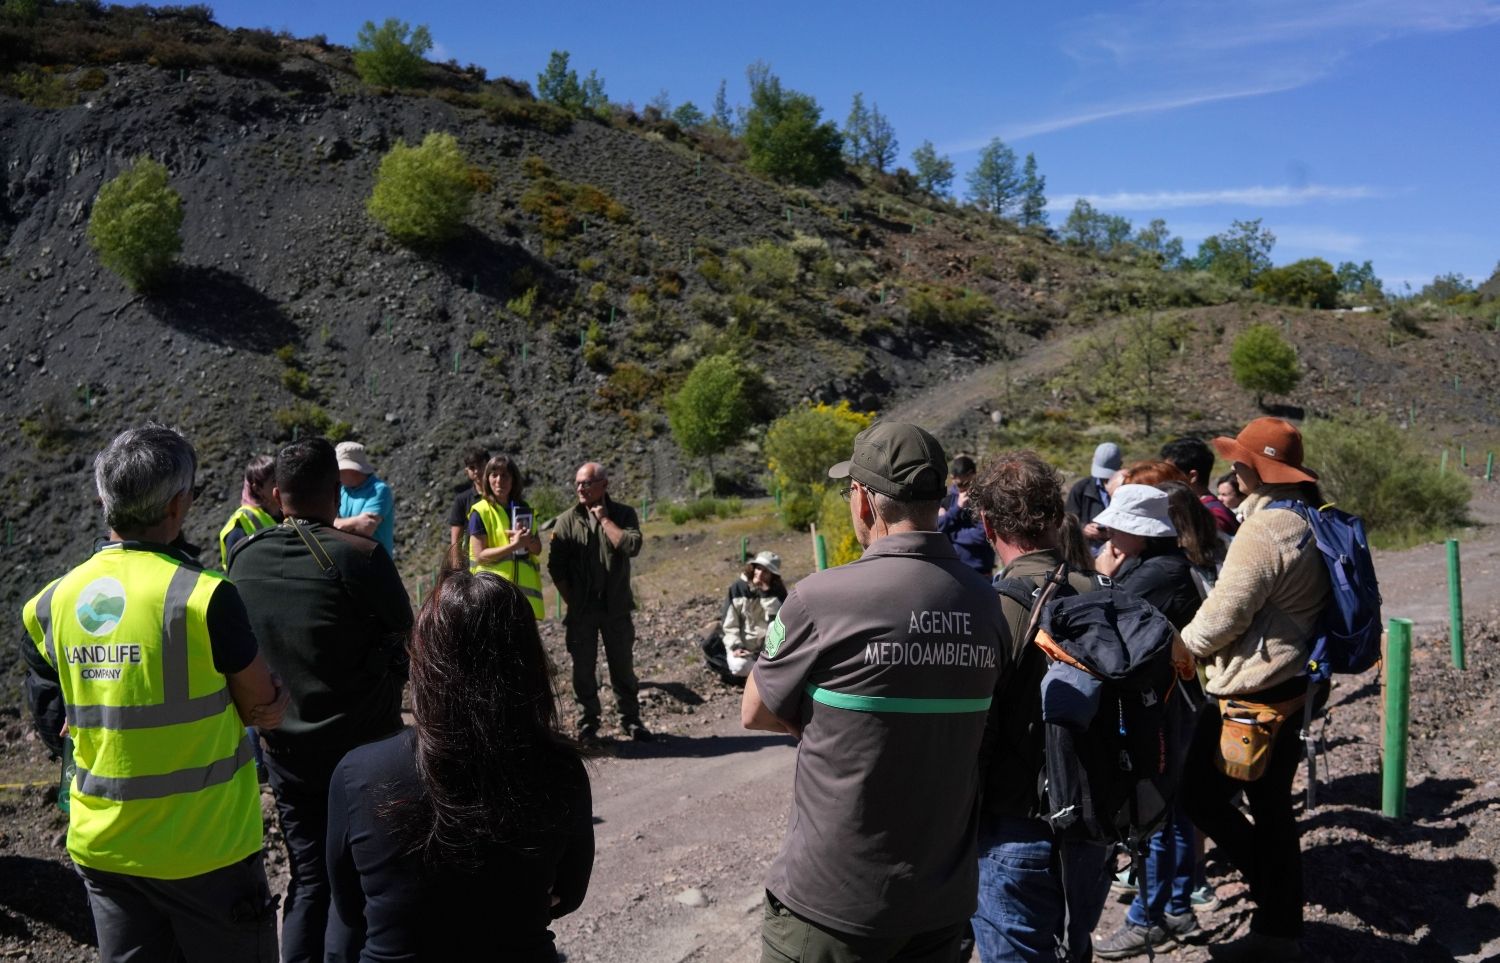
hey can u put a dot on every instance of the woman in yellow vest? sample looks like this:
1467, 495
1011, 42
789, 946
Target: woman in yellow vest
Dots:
258, 509
501, 539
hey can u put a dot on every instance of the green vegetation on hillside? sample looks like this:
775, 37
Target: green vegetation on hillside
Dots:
1263, 363
136, 224
392, 54
422, 193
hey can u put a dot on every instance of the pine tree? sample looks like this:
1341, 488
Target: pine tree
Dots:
857, 132
880, 140
994, 183
1033, 195
722, 119
934, 173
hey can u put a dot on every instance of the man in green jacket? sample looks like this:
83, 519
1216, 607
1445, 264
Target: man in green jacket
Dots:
589, 561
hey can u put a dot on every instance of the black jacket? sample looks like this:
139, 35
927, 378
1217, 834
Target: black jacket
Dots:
1084, 500
1163, 576
337, 637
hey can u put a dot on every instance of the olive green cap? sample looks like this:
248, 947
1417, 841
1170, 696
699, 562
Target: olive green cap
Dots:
899, 460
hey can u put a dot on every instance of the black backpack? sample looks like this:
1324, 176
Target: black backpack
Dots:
1116, 721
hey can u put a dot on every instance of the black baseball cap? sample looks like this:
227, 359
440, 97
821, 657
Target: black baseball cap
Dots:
899, 460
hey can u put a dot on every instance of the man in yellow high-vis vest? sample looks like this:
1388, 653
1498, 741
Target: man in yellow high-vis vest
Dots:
159, 672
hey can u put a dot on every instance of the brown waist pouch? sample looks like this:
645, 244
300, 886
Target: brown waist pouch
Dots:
1248, 731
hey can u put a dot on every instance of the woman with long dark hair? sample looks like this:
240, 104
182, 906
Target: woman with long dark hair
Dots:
466, 835
257, 509
1197, 534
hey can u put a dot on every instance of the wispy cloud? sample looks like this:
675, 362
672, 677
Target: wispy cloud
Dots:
439, 54
1224, 196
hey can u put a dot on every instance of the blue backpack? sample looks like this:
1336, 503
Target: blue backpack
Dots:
1348, 632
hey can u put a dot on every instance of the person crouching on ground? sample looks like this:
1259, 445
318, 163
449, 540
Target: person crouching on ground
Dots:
754, 600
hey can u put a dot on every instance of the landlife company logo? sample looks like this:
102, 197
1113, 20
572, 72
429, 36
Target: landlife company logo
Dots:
101, 606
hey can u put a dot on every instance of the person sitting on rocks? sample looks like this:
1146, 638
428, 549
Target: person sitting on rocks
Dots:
754, 599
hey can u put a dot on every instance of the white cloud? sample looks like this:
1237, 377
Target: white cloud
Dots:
1241, 196
439, 54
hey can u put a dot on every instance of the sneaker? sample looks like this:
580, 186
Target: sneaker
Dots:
1204, 898
1182, 927
635, 730
1123, 883
1256, 947
1128, 941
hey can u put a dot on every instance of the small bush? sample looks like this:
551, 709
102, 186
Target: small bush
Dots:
837, 528
713, 408
1263, 363
297, 382
21, 11
136, 224
49, 429
1309, 283
40, 88
1376, 471
800, 445
391, 55
522, 304
304, 419
480, 341
767, 267
699, 509
422, 194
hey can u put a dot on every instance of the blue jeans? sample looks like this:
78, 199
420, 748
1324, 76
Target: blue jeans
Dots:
1036, 893
1169, 871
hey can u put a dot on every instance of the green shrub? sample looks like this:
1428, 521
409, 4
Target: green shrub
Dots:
391, 55
1263, 363
837, 528
522, 304
297, 382
768, 267
702, 508
1309, 283
1376, 471
939, 305
800, 445
136, 224
784, 136
49, 429
479, 341
422, 194
22, 11
548, 502
305, 419
40, 88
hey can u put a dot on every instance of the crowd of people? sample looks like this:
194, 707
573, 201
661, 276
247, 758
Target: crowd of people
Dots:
907, 678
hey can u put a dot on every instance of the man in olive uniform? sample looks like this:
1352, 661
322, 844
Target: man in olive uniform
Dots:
159, 672
884, 669
589, 562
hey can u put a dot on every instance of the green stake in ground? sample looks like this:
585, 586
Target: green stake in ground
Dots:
1397, 704
820, 551
1456, 605
1489, 466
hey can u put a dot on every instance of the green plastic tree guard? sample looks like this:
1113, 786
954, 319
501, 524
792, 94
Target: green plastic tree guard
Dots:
1397, 704
1456, 605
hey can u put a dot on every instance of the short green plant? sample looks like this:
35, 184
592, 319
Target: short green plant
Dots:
702, 508
287, 354
297, 382
422, 194
49, 429
522, 304
1263, 363
1374, 470
305, 419
480, 340
136, 224
391, 55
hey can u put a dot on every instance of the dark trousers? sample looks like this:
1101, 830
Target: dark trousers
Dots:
789, 938
224, 916
1268, 852
584, 630
299, 778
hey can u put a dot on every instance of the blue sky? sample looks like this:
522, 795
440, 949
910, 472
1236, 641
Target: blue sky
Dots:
1356, 129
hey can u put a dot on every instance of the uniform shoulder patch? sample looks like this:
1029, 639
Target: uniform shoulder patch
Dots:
775, 635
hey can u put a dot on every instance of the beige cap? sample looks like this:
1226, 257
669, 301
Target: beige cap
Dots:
352, 457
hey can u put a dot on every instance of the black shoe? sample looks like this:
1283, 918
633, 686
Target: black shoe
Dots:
636, 731
588, 731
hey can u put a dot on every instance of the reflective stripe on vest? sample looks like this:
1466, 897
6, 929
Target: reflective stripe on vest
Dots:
164, 787
869, 703
248, 519
525, 573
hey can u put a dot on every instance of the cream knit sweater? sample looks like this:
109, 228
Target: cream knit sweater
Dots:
1252, 630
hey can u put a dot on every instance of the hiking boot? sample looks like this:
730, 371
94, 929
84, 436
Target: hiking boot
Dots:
1182, 927
1205, 898
1123, 883
1256, 947
635, 730
1129, 940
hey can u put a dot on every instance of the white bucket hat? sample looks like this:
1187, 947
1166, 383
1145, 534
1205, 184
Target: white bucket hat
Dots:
769, 561
1138, 510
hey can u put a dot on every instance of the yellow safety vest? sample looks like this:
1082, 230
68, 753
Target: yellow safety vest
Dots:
525, 572
248, 519
164, 786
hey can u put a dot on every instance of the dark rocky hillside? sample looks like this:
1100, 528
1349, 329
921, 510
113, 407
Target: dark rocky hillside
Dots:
601, 259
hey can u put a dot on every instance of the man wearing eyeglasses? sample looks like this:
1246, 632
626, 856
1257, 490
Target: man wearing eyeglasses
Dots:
884, 670
589, 562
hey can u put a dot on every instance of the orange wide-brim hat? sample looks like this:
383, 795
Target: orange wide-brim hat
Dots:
1271, 446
